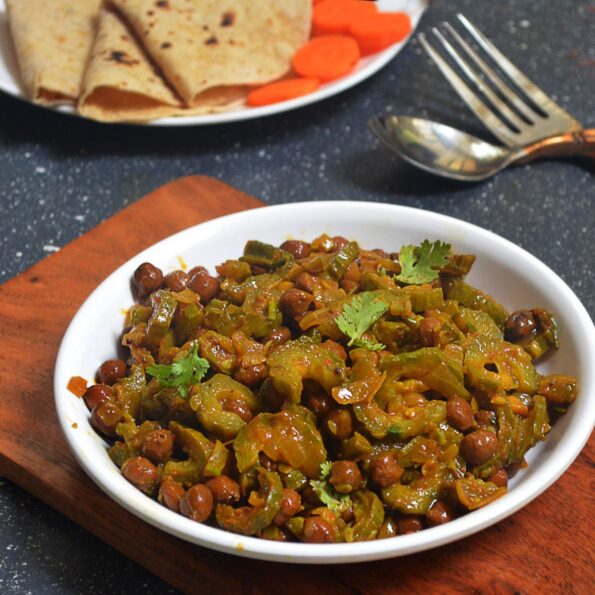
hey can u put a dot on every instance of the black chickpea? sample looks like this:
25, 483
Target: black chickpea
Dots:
97, 393
345, 477
440, 513
157, 445
147, 278
291, 504
170, 493
459, 414
339, 423
479, 446
295, 302
224, 489
385, 470
105, 417
197, 503
141, 473
206, 286
176, 281
111, 371
296, 248
500, 478
317, 530
409, 524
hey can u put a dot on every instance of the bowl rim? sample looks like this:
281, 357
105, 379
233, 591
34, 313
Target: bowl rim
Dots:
115, 486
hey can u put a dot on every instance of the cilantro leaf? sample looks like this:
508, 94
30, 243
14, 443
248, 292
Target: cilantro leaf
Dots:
181, 374
420, 264
326, 492
358, 316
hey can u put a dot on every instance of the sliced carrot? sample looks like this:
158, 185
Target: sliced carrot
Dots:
377, 31
282, 91
335, 16
327, 57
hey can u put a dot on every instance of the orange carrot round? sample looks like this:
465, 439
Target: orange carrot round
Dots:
282, 91
335, 16
327, 57
377, 31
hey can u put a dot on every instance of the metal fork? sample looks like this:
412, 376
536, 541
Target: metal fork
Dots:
515, 122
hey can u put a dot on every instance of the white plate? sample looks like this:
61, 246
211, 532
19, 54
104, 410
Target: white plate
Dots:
504, 270
10, 77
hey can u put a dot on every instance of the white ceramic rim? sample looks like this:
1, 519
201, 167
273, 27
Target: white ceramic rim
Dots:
9, 81
152, 512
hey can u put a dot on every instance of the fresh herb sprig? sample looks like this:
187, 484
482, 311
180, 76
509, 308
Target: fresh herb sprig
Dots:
182, 374
421, 264
326, 492
358, 316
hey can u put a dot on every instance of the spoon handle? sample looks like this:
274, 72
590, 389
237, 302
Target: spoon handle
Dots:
581, 142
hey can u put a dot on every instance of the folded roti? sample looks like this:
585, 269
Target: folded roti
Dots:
52, 39
122, 84
201, 45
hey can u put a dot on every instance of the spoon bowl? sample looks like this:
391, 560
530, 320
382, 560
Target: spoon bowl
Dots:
452, 153
441, 149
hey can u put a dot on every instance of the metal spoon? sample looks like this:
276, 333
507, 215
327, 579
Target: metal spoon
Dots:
452, 153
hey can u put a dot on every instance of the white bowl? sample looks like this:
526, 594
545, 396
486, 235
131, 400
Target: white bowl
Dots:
510, 274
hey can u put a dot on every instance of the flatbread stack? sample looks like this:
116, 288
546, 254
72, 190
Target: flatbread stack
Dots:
135, 60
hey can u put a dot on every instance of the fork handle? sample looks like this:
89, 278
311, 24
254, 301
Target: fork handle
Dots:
581, 142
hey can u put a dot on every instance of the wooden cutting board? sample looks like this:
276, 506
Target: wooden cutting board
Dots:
545, 547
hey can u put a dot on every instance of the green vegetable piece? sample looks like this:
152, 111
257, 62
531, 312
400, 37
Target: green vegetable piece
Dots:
265, 255
296, 525
209, 399
369, 516
358, 316
217, 460
470, 297
302, 359
480, 323
430, 365
187, 320
194, 443
424, 298
355, 447
218, 351
474, 493
378, 423
249, 520
133, 434
548, 335
516, 435
334, 500
412, 499
137, 314
119, 452
421, 264
294, 479
128, 390
458, 264
498, 366
289, 437
187, 472
186, 370
164, 306
339, 263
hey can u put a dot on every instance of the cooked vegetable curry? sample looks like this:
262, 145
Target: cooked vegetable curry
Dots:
324, 393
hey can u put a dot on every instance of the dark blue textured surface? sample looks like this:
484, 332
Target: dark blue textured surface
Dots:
61, 176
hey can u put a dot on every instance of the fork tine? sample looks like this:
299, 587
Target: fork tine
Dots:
541, 99
485, 89
479, 108
514, 99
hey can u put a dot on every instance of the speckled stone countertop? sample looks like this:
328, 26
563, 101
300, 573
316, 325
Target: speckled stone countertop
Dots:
61, 176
